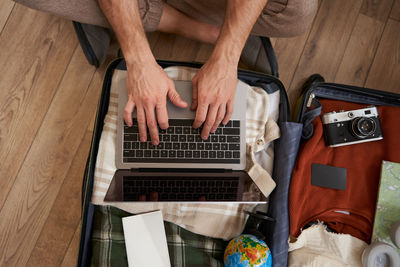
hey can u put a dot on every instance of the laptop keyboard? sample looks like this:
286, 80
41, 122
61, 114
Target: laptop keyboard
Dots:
182, 143
180, 189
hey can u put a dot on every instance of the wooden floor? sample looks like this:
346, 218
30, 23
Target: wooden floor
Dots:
49, 94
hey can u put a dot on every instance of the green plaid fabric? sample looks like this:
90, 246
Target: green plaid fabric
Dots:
185, 248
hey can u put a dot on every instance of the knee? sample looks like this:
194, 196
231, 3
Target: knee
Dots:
288, 18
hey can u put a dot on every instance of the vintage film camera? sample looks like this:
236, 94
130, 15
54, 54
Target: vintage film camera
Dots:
351, 127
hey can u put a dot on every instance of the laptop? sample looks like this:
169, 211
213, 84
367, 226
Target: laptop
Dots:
183, 167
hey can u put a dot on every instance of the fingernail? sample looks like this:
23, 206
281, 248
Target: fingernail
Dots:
155, 142
204, 137
142, 139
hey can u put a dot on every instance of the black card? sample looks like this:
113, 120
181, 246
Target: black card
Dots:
328, 176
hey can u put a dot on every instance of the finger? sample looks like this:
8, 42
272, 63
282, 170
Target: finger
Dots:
175, 97
152, 124
141, 123
219, 118
201, 114
142, 197
128, 110
229, 111
212, 113
194, 95
162, 114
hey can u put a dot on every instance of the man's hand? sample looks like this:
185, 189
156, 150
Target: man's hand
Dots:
148, 86
214, 85
214, 89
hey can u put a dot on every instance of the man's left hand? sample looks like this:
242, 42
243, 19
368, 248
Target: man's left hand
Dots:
214, 89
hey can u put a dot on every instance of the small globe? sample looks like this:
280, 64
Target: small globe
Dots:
247, 250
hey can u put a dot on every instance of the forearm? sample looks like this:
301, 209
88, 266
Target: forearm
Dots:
240, 17
124, 18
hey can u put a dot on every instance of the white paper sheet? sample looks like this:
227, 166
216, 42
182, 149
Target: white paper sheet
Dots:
145, 240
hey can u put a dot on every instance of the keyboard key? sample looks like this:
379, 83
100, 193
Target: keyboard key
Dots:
135, 145
166, 138
200, 146
186, 130
147, 153
139, 153
176, 146
198, 139
172, 154
178, 130
224, 146
133, 129
234, 146
218, 131
143, 145
236, 154
196, 154
236, 124
174, 138
188, 154
208, 146
204, 154
160, 146
129, 153
168, 145
155, 153
151, 146
190, 138
228, 154
229, 124
231, 131
184, 146
170, 130
192, 146
222, 139
233, 139
130, 137
164, 153
162, 131
127, 145
220, 154
216, 146
195, 131
180, 154
214, 139
182, 138
212, 154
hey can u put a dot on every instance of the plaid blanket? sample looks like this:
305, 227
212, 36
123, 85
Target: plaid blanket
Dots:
185, 248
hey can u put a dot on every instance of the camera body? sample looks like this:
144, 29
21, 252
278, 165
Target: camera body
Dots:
351, 127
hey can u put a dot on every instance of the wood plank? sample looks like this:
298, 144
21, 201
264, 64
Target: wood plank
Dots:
326, 44
395, 14
288, 61
71, 256
360, 51
378, 9
204, 52
185, 49
37, 48
384, 73
47, 163
6, 6
163, 46
66, 212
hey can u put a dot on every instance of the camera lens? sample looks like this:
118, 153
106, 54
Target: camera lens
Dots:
363, 127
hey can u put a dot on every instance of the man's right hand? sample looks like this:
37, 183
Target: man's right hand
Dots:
148, 86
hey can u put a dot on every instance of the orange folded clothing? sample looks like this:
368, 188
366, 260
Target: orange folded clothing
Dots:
349, 211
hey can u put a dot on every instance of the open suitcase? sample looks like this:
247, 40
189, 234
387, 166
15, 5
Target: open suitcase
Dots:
285, 148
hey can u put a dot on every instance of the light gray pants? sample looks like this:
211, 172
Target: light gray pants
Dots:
279, 18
